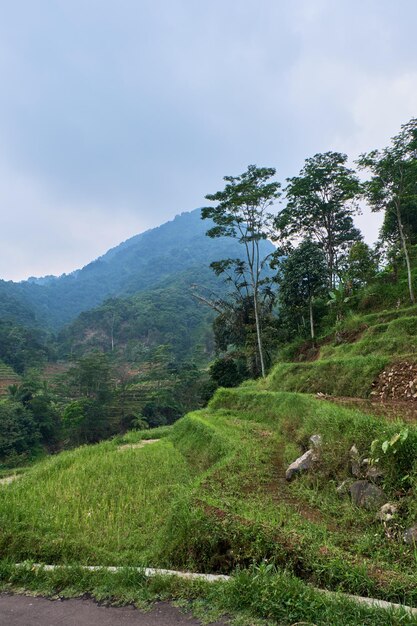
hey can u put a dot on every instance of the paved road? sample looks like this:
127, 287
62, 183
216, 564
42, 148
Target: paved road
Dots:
17, 610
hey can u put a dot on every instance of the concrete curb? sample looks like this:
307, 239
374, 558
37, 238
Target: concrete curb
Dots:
211, 578
148, 571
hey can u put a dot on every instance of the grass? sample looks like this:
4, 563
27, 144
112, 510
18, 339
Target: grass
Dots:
338, 376
92, 505
387, 339
348, 361
261, 595
211, 495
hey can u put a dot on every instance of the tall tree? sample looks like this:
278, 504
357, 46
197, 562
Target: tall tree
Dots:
321, 201
243, 212
393, 187
302, 278
360, 266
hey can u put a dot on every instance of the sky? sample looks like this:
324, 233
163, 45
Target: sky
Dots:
116, 116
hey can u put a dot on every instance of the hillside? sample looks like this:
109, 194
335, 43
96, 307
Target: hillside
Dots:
210, 494
141, 263
167, 314
356, 360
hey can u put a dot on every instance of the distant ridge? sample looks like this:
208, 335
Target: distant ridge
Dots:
142, 262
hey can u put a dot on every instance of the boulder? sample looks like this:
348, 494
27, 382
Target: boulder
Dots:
366, 495
410, 536
302, 464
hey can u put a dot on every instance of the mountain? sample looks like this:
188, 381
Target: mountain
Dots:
144, 262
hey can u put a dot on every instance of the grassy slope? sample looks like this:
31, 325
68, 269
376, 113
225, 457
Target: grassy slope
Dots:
347, 363
211, 495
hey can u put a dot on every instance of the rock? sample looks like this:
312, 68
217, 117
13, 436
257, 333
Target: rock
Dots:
410, 535
355, 464
343, 488
387, 512
367, 495
315, 441
374, 474
302, 464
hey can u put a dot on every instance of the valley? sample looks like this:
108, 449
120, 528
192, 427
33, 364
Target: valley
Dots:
143, 433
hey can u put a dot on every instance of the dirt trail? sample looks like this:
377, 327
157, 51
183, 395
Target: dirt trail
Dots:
17, 610
391, 409
9, 479
140, 444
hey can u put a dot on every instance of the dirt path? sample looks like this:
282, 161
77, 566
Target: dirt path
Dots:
140, 444
9, 479
17, 610
391, 409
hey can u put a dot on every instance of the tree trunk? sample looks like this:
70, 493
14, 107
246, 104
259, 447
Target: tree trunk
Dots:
407, 257
258, 331
310, 304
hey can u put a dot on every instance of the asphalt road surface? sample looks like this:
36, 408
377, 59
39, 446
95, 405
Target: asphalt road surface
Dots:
18, 610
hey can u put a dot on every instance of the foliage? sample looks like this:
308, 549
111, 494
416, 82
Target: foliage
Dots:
228, 372
23, 347
235, 333
302, 279
393, 188
320, 205
242, 213
38, 399
361, 266
18, 432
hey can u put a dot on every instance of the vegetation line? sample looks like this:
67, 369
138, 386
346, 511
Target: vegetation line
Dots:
372, 602
147, 571
151, 571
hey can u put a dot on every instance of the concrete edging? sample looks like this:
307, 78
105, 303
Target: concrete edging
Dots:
151, 571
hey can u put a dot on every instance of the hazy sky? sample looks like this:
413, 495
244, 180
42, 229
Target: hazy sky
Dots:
115, 116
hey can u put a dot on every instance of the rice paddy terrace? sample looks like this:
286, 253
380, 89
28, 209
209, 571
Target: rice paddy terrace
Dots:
210, 495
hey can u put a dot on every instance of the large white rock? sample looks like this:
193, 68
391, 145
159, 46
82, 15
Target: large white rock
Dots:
302, 464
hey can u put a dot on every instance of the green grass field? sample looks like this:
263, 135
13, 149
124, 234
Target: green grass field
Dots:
349, 361
210, 495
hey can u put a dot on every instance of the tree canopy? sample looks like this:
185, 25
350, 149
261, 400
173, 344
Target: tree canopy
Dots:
243, 213
321, 202
393, 188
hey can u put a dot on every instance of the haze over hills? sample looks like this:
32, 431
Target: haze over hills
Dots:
144, 262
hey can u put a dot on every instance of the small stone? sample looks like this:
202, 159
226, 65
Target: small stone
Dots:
343, 488
366, 495
410, 535
302, 464
374, 474
315, 441
355, 467
387, 512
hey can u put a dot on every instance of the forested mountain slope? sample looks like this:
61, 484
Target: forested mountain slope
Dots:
130, 327
140, 263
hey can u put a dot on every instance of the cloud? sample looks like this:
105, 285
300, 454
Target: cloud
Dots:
114, 119
40, 227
